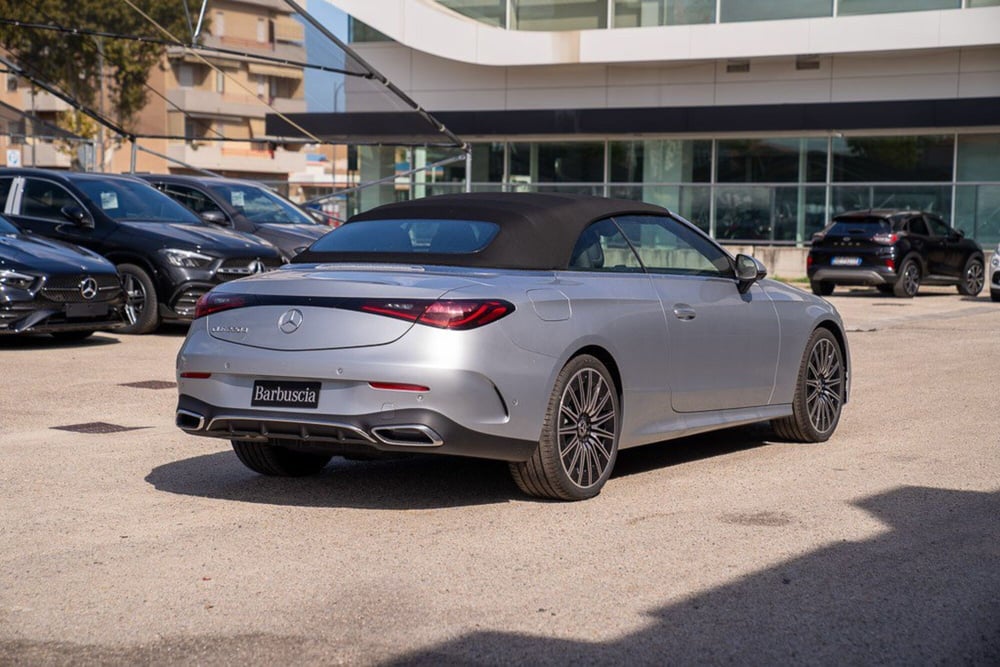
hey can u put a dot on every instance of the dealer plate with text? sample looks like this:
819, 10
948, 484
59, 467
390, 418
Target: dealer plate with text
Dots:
846, 261
285, 394
74, 310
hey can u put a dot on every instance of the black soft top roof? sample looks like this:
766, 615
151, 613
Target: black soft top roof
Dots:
537, 230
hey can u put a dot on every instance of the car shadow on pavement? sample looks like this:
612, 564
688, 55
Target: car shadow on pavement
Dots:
925, 591
417, 482
46, 342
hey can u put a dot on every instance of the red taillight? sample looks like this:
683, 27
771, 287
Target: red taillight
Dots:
211, 302
885, 239
890, 262
809, 261
195, 375
457, 314
398, 386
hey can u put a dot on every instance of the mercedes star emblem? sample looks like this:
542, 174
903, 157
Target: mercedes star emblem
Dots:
257, 266
290, 321
88, 288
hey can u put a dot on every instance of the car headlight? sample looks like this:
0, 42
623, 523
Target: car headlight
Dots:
16, 280
186, 259
996, 259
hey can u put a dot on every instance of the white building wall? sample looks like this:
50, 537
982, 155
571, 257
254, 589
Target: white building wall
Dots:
441, 84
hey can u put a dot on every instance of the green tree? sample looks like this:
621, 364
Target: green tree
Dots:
72, 62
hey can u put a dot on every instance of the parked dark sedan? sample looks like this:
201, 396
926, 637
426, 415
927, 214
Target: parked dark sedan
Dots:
244, 206
55, 288
166, 256
896, 251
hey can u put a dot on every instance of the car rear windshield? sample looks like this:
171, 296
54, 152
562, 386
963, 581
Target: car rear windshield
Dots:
445, 237
864, 227
132, 201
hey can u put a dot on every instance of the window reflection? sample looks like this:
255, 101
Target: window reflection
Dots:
846, 7
637, 13
754, 10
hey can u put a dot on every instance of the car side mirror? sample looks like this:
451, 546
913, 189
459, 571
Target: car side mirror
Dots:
748, 271
215, 218
77, 216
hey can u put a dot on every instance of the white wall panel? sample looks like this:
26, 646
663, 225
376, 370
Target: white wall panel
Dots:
789, 92
912, 87
979, 84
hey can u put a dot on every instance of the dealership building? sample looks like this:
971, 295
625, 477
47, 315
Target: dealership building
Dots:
757, 120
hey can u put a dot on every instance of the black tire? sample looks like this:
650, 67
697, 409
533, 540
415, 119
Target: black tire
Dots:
276, 461
71, 336
908, 283
973, 276
821, 287
819, 392
884, 289
141, 308
579, 443
995, 294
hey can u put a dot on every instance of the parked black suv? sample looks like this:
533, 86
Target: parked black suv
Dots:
166, 256
244, 206
896, 251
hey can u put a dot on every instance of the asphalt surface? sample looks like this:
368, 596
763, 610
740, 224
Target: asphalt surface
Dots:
148, 546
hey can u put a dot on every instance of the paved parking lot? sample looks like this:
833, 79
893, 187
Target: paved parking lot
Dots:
145, 545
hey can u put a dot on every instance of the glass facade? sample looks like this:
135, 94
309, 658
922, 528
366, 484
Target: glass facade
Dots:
642, 13
847, 7
598, 14
773, 189
754, 10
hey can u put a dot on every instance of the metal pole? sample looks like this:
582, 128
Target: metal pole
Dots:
468, 170
135, 149
99, 154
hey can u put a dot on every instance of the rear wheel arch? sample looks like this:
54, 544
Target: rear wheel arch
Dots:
606, 358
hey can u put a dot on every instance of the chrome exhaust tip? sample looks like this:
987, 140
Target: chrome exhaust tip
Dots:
408, 435
189, 421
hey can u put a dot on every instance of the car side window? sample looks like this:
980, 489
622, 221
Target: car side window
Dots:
5, 185
938, 228
193, 199
667, 246
917, 226
602, 247
45, 200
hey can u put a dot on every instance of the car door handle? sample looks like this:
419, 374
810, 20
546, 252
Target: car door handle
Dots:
684, 312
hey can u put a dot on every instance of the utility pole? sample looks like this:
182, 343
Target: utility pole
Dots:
100, 105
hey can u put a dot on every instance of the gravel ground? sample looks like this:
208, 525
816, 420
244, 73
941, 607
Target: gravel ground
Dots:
147, 546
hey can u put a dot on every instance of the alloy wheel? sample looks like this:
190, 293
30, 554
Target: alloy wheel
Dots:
974, 278
587, 428
911, 278
824, 385
135, 297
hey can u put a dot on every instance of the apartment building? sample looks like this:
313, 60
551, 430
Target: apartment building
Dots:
205, 97
757, 120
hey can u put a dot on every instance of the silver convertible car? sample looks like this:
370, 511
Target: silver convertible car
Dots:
545, 330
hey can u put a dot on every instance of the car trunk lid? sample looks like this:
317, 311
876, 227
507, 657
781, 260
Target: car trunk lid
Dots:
327, 307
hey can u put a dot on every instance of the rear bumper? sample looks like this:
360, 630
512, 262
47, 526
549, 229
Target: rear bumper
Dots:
408, 431
854, 276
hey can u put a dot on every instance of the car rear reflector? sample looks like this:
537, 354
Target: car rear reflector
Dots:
398, 386
195, 375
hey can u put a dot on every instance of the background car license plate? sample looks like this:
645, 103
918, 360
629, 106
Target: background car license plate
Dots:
285, 394
846, 261
86, 309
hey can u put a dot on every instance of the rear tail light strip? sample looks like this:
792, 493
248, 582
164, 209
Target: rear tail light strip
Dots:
455, 314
